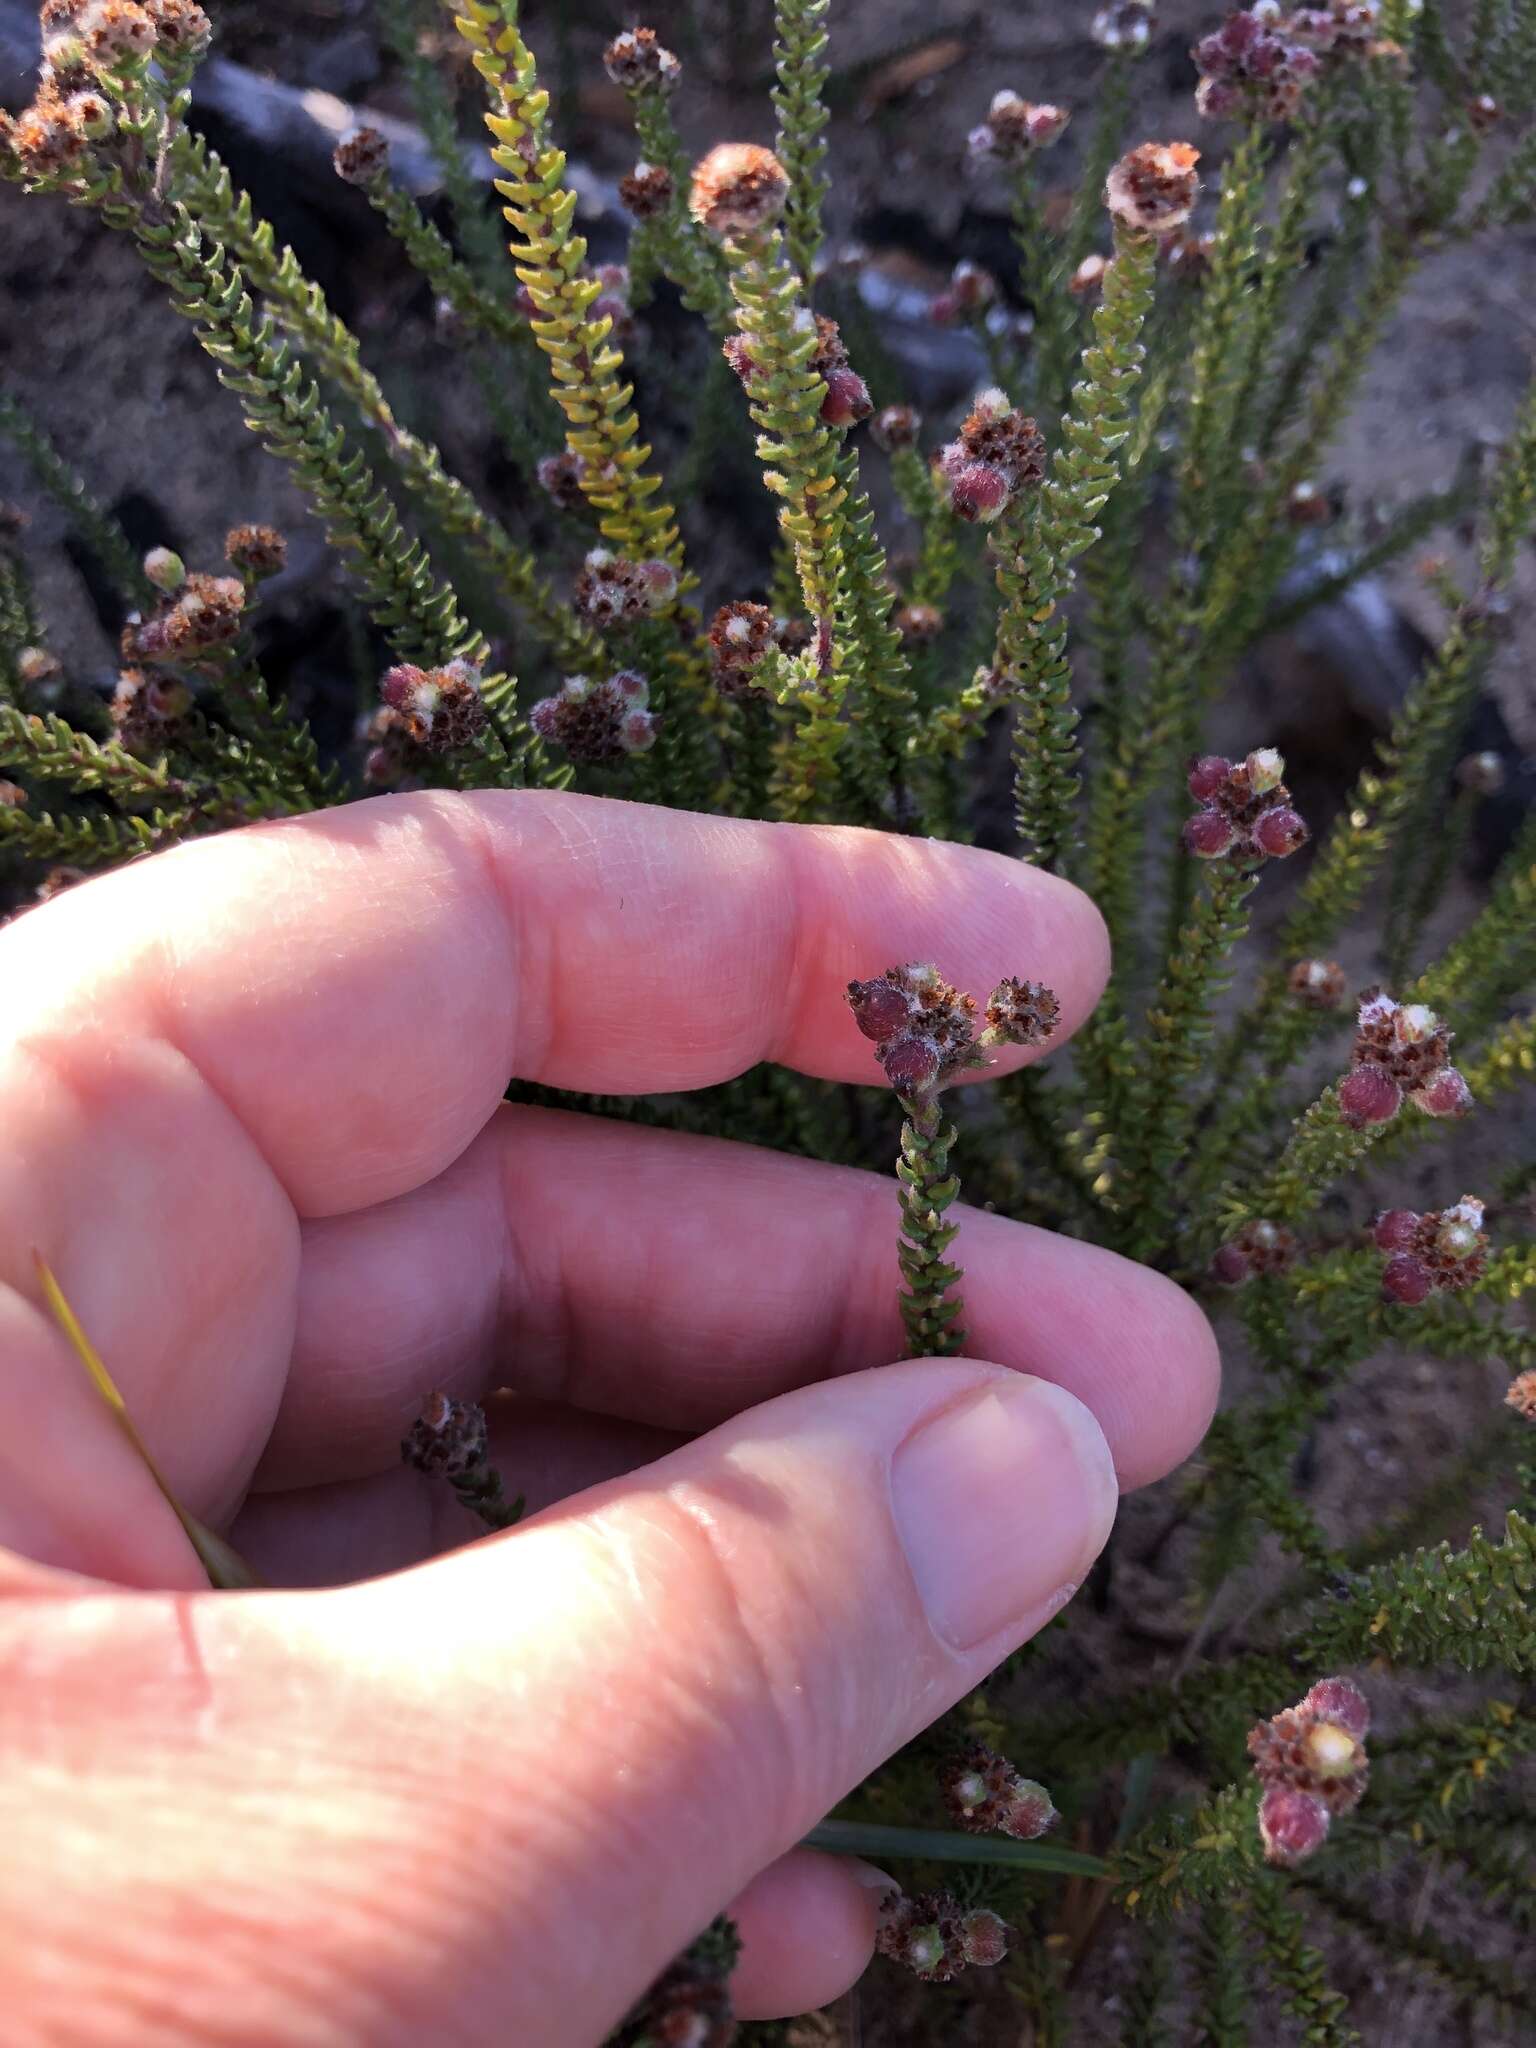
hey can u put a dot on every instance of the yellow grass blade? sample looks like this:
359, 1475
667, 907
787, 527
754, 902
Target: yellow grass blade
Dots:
226, 1569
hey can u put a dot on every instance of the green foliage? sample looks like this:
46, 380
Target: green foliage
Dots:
1105, 616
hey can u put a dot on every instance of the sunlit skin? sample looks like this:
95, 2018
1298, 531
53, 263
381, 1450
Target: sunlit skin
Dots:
420, 1788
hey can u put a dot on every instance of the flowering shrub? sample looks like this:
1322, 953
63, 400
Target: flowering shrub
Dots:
1108, 525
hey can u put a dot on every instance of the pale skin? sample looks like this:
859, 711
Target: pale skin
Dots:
423, 1788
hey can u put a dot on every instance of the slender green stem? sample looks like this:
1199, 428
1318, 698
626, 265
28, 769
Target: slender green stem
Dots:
936, 1845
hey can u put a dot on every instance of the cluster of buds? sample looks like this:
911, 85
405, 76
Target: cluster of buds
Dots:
1015, 128
435, 709
1441, 1251
1152, 190
87, 45
1311, 1761
361, 157
1259, 1248
971, 289
647, 191
199, 615
1253, 65
739, 191
611, 590
999, 452
924, 1029
636, 60
1126, 25
255, 552
39, 672
560, 476
1521, 1395
1400, 1049
846, 399
896, 427
741, 634
1245, 809
987, 1795
1317, 984
12, 797
52, 138
1350, 28
595, 722
148, 709
935, 1937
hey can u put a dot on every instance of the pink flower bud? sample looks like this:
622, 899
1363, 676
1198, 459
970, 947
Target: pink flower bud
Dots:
1280, 832
1369, 1095
1445, 1094
847, 400
637, 732
1396, 1229
1405, 1281
879, 1009
1027, 1811
978, 492
1208, 835
911, 1064
983, 1938
1208, 775
1341, 1700
1292, 1825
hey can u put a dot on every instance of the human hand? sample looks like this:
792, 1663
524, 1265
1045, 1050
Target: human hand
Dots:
252, 1097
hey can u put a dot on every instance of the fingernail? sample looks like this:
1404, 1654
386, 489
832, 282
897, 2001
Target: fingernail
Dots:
867, 1875
1001, 1499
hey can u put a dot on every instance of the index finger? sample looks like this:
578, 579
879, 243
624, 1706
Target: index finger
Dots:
358, 986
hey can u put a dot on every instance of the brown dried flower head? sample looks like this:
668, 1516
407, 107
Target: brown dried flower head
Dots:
647, 191
918, 624
1318, 984
740, 634
636, 60
147, 710
596, 722
441, 708
987, 1795
1260, 1247
922, 1933
1153, 189
739, 189
448, 1439
181, 26
255, 551
895, 427
611, 589
361, 156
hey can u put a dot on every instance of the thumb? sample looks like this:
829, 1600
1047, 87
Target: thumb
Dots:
491, 1797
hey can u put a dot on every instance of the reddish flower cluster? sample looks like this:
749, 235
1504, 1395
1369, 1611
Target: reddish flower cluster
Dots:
205, 616
925, 1030
1521, 1395
438, 709
987, 1795
636, 60
1245, 808
1153, 189
740, 634
1311, 1761
1350, 28
895, 427
560, 476
1438, 1252
1000, 451
1253, 65
1259, 1247
739, 189
1400, 1049
596, 722
935, 1937
1015, 128
647, 191
1318, 984
255, 551
148, 709
971, 289
361, 156
611, 588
